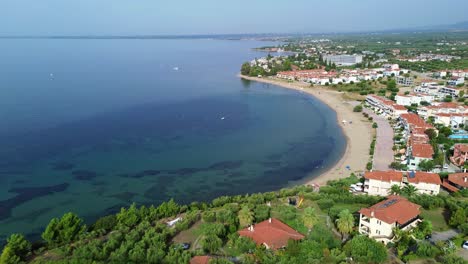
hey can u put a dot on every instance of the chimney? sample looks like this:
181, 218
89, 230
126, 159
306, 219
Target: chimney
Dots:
465, 179
269, 220
372, 214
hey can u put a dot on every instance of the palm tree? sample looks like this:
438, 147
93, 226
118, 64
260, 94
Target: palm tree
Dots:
345, 222
246, 217
395, 189
409, 190
309, 217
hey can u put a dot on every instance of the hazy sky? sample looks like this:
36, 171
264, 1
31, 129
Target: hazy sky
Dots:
119, 17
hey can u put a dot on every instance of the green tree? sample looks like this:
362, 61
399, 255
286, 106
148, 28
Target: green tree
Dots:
9, 257
345, 222
246, 216
395, 190
211, 243
130, 217
357, 108
365, 250
409, 190
64, 230
309, 217
458, 218
426, 165
18, 245
245, 69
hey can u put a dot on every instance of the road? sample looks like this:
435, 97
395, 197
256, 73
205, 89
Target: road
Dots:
383, 154
446, 235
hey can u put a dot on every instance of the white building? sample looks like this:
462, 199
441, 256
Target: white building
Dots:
380, 182
417, 153
343, 60
456, 80
379, 220
405, 81
425, 182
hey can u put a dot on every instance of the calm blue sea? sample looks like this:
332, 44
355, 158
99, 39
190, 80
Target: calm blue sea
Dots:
90, 126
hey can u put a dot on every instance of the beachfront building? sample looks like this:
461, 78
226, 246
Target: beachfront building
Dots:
271, 233
379, 220
460, 154
343, 59
425, 182
385, 106
418, 152
380, 182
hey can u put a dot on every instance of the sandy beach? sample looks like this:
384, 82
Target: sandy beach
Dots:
359, 131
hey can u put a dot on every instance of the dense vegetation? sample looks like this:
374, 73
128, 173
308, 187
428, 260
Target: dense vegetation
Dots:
328, 219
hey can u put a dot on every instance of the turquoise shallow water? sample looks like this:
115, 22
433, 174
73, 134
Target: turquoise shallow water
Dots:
93, 125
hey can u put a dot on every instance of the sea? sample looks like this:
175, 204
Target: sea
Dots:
93, 125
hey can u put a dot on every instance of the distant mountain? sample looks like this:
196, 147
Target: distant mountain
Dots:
460, 26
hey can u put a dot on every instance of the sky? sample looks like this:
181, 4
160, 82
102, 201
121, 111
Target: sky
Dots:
176, 17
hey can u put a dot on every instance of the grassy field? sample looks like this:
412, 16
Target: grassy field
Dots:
437, 218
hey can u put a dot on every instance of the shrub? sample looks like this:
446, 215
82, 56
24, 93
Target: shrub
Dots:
358, 108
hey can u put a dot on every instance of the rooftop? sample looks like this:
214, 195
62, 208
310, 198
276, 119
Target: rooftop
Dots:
424, 177
422, 150
460, 179
200, 260
462, 147
274, 233
387, 176
395, 209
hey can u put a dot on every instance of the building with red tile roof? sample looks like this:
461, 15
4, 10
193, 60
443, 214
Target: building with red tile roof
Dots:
380, 182
200, 260
460, 154
422, 151
272, 233
459, 180
379, 220
425, 182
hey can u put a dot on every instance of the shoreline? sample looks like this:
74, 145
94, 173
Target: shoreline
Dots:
358, 134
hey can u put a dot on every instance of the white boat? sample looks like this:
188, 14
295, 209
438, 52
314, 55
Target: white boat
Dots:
176, 68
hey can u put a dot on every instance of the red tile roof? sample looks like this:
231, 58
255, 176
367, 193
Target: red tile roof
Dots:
425, 177
200, 260
449, 187
422, 151
460, 179
462, 147
394, 209
384, 175
274, 234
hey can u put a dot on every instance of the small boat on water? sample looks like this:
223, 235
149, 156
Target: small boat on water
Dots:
176, 68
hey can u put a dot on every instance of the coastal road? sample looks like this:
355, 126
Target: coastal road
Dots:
383, 154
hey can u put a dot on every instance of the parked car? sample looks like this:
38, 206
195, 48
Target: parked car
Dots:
465, 244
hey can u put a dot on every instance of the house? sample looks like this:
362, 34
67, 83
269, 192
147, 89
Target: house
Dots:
460, 154
272, 233
459, 180
379, 220
454, 80
425, 182
200, 260
386, 106
449, 90
417, 153
380, 182
413, 99
405, 81
455, 120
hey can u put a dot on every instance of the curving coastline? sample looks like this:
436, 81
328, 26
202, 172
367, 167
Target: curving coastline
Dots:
358, 134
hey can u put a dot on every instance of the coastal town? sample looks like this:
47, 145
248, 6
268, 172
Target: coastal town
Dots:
398, 194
